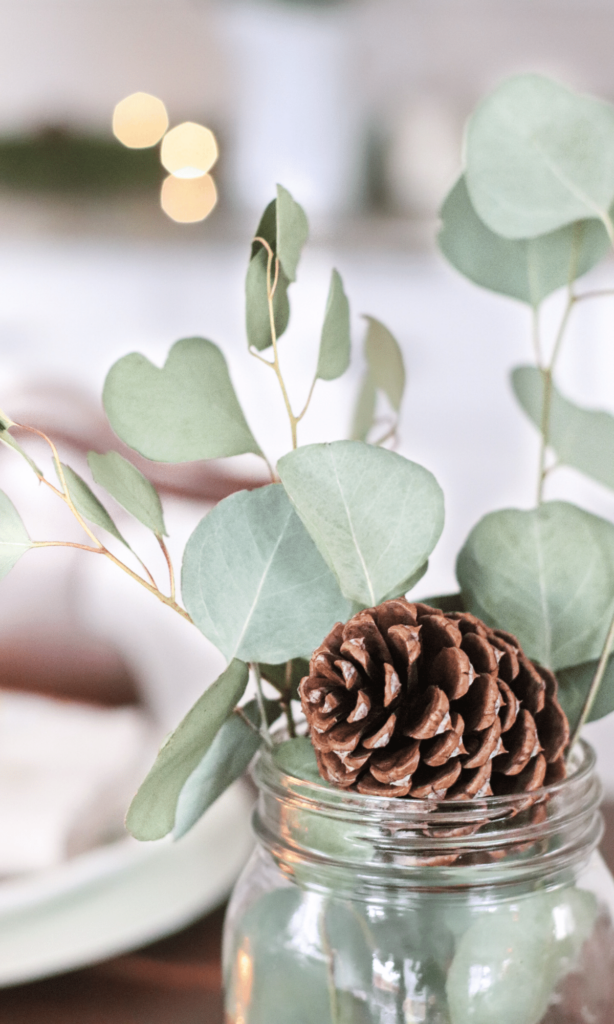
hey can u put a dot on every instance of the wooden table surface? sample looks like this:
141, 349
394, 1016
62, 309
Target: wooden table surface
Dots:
175, 981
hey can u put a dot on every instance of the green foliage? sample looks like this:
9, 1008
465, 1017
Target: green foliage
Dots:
257, 316
582, 438
254, 582
88, 505
574, 685
14, 539
528, 269
284, 682
335, 342
539, 156
385, 362
297, 758
152, 812
226, 760
130, 488
292, 232
7, 439
374, 515
185, 411
546, 576
508, 962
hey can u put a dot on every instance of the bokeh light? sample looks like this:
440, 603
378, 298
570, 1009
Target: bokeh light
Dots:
188, 200
189, 150
140, 120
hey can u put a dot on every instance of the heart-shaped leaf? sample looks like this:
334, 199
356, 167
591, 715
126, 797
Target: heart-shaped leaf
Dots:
582, 438
255, 583
87, 504
374, 515
185, 411
335, 342
364, 411
526, 269
226, 760
574, 684
257, 316
152, 812
544, 575
539, 156
130, 488
292, 232
14, 539
385, 362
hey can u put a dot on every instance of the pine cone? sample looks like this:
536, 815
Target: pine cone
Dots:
406, 700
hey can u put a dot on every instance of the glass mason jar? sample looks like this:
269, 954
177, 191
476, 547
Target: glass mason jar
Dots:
368, 910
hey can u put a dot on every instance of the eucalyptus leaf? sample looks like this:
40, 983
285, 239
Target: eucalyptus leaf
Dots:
130, 488
335, 342
152, 812
509, 961
297, 758
525, 269
185, 411
226, 760
255, 583
257, 316
539, 156
403, 588
292, 232
7, 439
582, 438
277, 675
544, 575
374, 515
385, 362
364, 412
574, 684
88, 505
14, 539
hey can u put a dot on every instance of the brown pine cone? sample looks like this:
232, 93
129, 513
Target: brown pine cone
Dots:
406, 700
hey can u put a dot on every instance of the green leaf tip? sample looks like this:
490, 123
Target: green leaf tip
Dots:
335, 341
88, 505
14, 539
183, 412
152, 812
385, 361
130, 488
292, 232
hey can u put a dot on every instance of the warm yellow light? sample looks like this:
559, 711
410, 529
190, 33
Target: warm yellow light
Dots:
189, 150
140, 120
188, 199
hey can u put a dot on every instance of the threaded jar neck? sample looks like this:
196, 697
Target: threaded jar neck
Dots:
341, 839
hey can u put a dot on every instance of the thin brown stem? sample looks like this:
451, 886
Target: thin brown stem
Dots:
171, 571
597, 293
66, 544
391, 432
240, 712
309, 397
594, 687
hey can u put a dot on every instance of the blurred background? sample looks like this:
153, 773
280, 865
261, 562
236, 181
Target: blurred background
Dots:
358, 108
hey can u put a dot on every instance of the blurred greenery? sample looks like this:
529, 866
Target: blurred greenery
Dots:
56, 160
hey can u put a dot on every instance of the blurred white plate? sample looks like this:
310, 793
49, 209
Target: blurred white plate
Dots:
121, 896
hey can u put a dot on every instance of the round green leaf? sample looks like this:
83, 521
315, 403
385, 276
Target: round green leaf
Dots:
546, 576
185, 411
525, 269
255, 583
129, 487
582, 438
14, 539
152, 812
539, 156
374, 515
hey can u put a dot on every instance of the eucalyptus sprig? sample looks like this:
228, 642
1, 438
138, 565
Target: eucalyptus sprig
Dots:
532, 213
266, 573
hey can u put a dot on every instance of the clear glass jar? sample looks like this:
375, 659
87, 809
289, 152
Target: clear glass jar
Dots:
368, 910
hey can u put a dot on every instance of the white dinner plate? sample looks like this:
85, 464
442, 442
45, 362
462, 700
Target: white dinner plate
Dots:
121, 896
